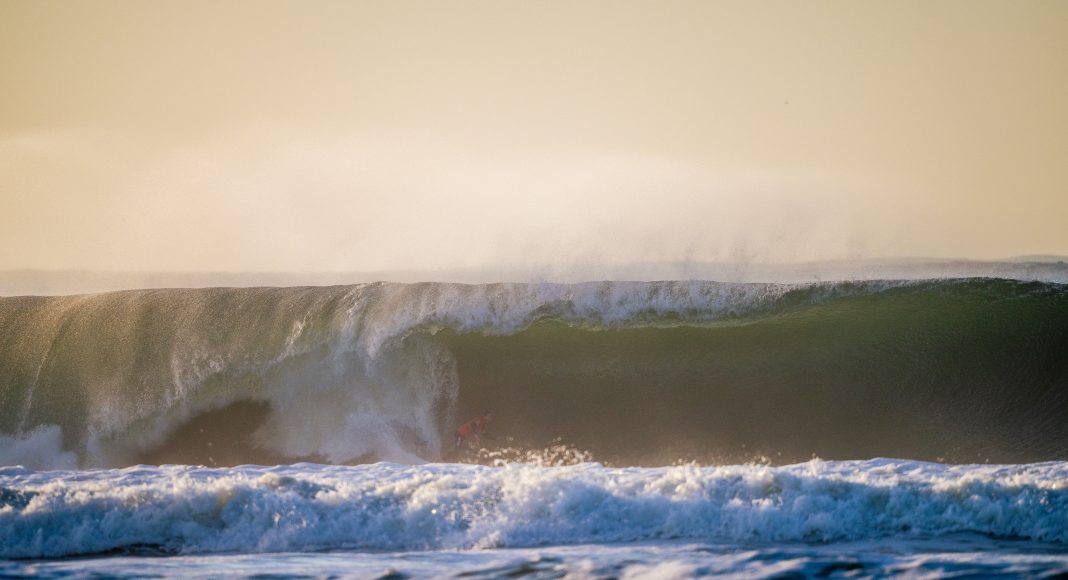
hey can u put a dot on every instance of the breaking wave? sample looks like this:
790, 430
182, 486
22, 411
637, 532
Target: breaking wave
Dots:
632, 373
180, 509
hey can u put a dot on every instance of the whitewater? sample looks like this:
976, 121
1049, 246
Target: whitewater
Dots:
642, 429
492, 520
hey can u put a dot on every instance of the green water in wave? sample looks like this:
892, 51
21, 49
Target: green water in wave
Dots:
967, 371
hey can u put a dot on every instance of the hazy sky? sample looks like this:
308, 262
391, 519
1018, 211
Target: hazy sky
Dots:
314, 135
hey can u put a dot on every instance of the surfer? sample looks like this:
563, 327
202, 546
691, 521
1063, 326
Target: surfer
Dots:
474, 428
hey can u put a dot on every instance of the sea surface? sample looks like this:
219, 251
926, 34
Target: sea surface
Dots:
823, 518
860, 428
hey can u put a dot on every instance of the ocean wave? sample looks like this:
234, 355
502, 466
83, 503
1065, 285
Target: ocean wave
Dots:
178, 509
383, 371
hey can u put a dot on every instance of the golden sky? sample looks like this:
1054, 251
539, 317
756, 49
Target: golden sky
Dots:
318, 136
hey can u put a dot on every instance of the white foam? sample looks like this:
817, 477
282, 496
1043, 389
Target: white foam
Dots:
661, 571
391, 507
41, 448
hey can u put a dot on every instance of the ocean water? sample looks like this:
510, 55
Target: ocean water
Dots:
642, 429
816, 518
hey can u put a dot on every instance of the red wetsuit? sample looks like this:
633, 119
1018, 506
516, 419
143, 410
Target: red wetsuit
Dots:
476, 427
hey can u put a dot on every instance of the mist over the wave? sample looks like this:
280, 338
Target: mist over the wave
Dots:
366, 137
284, 200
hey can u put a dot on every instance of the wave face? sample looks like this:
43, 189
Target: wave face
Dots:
179, 509
966, 370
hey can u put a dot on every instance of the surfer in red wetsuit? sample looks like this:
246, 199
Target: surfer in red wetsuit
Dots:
474, 428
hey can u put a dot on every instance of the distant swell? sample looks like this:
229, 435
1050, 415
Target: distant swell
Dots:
968, 370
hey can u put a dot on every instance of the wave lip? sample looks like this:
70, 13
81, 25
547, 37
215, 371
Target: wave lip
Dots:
384, 506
